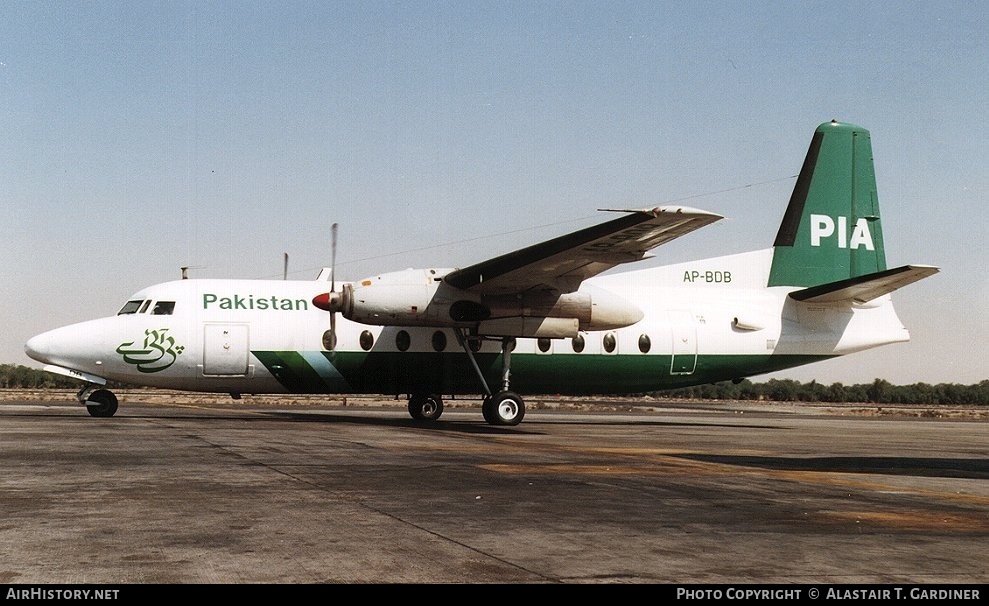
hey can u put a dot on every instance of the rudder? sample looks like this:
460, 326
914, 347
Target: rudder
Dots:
831, 229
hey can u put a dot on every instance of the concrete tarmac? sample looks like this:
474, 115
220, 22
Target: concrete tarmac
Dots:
242, 492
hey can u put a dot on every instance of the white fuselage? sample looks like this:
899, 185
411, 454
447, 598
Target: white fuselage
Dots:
702, 321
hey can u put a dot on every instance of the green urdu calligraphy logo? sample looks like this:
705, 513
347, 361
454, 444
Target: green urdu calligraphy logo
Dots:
158, 352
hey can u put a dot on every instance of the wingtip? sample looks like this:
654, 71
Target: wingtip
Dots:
928, 269
664, 209
684, 210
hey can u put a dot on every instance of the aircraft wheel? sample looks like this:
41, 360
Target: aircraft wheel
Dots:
101, 403
504, 408
425, 407
486, 407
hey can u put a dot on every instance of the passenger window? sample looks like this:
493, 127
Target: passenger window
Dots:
439, 340
163, 308
329, 340
644, 343
578, 343
130, 307
367, 340
402, 340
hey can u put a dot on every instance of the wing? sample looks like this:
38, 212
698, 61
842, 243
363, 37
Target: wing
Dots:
564, 262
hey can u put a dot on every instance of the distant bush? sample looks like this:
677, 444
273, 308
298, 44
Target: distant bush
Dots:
877, 392
21, 377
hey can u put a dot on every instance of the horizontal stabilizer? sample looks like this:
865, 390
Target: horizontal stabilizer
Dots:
861, 289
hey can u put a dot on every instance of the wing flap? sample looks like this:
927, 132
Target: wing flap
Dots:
564, 262
862, 289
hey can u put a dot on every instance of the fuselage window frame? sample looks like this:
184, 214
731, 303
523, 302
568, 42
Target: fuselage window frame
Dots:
329, 340
366, 340
130, 307
578, 343
439, 340
403, 340
645, 344
163, 308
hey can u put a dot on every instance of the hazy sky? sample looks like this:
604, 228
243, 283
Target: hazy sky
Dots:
140, 137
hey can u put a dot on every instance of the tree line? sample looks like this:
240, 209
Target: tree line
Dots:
779, 390
15, 376
879, 391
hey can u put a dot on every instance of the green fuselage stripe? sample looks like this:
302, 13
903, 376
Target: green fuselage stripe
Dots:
292, 371
565, 374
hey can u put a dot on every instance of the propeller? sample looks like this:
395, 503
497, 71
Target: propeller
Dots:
331, 301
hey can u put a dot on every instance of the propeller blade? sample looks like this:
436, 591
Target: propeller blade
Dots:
333, 259
333, 286
333, 331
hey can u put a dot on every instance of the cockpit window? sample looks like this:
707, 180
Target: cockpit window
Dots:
130, 307
163, 308
144, 307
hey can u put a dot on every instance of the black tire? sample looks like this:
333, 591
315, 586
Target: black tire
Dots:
486, 407
425, 407
101, 403
504, 408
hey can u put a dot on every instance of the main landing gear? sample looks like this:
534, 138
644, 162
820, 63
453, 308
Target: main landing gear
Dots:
502, 408
99, 402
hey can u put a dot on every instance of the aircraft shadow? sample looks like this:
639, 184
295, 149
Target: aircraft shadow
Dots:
477, 427
898, 466
481, 427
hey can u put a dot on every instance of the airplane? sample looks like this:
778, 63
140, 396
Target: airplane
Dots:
544, 319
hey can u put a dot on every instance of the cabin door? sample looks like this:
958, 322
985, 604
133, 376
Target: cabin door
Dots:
684, 331
225, 349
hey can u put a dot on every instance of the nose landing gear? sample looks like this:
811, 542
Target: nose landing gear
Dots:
99, 402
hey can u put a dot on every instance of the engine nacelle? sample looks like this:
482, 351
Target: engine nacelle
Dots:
414, 297
417, 297
549, 328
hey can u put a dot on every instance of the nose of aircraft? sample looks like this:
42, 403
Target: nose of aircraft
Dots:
81, 346
38, 347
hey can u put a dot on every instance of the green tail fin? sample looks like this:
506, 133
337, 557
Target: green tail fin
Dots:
831, 230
